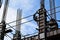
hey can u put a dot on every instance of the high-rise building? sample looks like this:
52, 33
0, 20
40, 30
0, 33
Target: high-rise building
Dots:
17, 35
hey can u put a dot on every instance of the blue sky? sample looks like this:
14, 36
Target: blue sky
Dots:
29, 7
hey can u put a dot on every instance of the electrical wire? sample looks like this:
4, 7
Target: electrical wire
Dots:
53, 13
29, 16
20, 19
19, 24
11, 27
8, 36
58, 20
24, 23
27, 21
29, 34
48, 14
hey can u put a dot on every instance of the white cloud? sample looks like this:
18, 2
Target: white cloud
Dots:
11, 16
11, 13
24, 4
1, 12
27, 27
29, 23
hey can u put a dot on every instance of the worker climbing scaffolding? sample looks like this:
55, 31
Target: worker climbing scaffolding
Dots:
41, 20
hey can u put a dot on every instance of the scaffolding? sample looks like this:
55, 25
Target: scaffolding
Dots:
50, 34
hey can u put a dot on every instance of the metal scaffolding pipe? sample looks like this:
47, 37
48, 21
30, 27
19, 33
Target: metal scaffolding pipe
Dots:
3, 24
17, 35
5, 9
52, 6
42, 4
